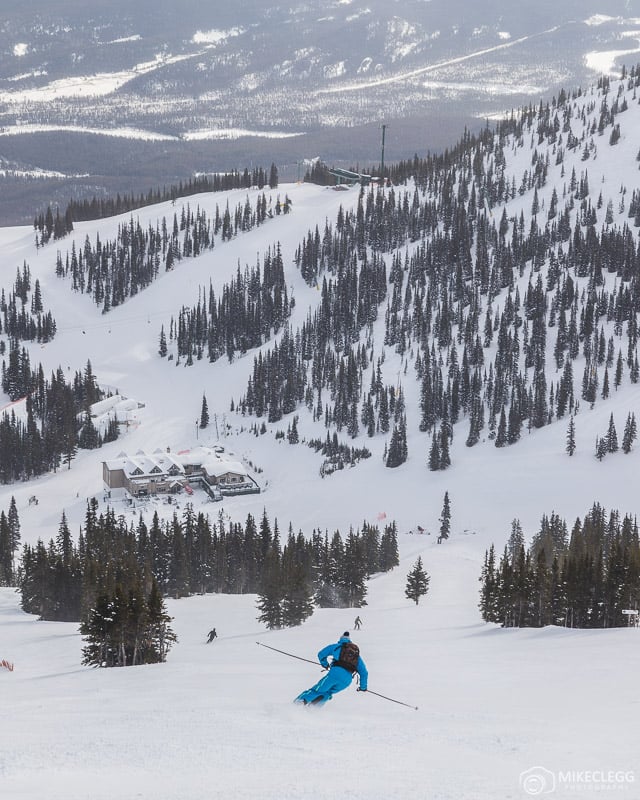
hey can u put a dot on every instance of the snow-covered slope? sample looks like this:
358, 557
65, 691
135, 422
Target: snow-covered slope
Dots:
216, 720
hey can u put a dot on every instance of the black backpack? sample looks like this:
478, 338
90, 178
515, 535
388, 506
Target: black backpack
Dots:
349, 656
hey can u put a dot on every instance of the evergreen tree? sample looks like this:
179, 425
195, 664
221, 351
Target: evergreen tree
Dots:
488, 592
6, 552
354, 572
389, 557
297, 600
162, 348
501, 435
97, 650
89, 438
571, 436
630, 433
204, 413
397, 453
445, 519
292, 435
434, 453
158, 636
612, 437
13, 521
273, 177
516, 540
125, 629
417, 582
329, 593
445, 457
271, 592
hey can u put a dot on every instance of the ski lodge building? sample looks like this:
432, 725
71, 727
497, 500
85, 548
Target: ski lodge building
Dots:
142, 475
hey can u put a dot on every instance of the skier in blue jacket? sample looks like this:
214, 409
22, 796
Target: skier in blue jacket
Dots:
345, 661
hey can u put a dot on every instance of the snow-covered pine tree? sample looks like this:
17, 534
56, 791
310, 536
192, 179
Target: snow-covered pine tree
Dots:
297, 600
353, 582
6, 552
398, 445
434, 453
417, 582
571, 436
204, 412
14, 525
516, 539
292, 434
125, 628
445, 456
630, 433
271, 592
611, 437
445, 519
162, 346
488, 589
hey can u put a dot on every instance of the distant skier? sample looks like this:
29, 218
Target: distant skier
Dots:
357, 623
345, 661
212, 635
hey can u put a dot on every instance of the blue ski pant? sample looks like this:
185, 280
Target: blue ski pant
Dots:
334, 681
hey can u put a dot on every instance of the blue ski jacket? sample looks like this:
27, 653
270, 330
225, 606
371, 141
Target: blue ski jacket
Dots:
333, 651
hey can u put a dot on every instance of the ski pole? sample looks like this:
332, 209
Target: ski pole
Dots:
399, 702
284, 653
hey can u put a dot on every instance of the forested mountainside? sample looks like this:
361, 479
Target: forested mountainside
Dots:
499, 278
504, 272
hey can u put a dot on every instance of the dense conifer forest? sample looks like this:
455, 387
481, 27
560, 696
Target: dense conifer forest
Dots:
113, 271
114, 578
57, 420
456, 311
585, 576
492, 338
23, 315
251, 308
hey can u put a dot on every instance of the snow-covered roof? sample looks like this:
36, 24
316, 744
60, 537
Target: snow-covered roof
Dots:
144, 464
122, 408
103, 406
196, 456
117, 406
219, 466
147, 464
168, 460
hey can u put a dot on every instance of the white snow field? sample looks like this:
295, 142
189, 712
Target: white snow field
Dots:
217, 719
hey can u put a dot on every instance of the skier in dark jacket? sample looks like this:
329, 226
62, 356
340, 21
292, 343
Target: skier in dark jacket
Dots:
345, 661
212, 635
